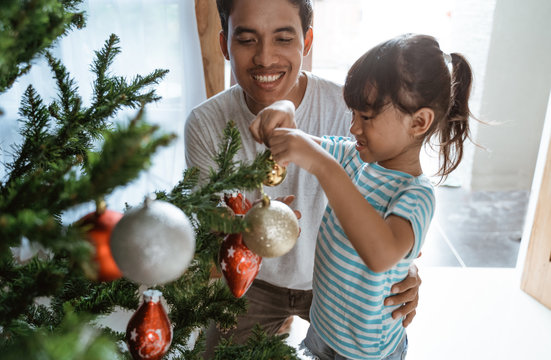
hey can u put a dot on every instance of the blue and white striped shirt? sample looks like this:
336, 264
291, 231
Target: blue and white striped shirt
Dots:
347, 308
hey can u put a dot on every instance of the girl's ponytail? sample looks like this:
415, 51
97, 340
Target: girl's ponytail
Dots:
454, 129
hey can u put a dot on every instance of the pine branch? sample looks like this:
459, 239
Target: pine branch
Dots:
258, 347
35, 132
195, 301
28, 28
124, 154
74, 338
230, 176
68, 90
25, 223
60, 157
98, 297
112, 93
22, 284
104, 58
230, 144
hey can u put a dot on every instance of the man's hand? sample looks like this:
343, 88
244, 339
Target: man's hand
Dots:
279, 114
288, 200
407, 293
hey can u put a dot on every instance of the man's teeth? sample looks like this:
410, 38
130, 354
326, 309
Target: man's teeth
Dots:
267, 78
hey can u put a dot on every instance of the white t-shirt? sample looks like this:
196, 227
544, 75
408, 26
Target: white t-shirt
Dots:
321, 112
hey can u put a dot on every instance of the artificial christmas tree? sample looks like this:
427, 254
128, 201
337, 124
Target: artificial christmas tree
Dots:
72, 155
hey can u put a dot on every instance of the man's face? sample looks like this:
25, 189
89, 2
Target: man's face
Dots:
265, 46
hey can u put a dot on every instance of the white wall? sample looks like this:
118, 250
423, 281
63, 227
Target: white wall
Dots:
515, 94
471, 32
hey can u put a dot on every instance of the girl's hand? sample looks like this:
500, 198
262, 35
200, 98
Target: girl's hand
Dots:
279, 114
293, 145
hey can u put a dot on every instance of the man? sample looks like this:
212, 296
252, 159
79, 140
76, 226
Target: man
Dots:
265, 42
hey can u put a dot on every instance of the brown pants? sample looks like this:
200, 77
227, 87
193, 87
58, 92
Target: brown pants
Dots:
269, 306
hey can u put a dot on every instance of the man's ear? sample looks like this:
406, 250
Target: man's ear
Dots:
224, 45
422, 120
308, 39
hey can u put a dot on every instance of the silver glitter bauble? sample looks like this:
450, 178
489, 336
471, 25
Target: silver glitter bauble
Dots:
153, 244
273, 228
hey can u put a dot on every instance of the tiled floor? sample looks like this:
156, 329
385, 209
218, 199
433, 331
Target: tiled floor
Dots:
475, 229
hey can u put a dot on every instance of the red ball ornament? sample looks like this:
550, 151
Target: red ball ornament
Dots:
102, 222
149, 333
238, 263
238, 203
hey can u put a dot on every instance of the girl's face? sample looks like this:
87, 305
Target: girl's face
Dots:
385, 138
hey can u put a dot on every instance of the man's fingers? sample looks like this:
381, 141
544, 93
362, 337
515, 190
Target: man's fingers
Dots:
288, 199
408, 283
409, 318
406, 308
412, 281
403, 297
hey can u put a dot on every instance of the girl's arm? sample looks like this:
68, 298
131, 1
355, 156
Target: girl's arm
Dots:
381, 243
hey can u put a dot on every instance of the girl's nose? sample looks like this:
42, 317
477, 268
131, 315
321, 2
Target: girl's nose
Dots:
355, 127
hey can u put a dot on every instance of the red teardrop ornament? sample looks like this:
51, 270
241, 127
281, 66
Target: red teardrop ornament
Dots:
148, 333
238, 263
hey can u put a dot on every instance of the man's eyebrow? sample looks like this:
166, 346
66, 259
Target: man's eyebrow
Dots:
288, 29
242, 29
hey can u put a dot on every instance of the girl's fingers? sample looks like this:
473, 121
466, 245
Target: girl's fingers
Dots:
253, 128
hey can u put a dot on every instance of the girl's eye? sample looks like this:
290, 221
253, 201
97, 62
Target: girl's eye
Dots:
285, 40
362, 116
245, 40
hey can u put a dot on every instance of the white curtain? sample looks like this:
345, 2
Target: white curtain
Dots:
153, 34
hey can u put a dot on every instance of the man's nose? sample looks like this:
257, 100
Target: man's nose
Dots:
266, 54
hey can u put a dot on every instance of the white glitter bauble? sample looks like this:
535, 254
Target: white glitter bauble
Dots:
153, 244
273, 228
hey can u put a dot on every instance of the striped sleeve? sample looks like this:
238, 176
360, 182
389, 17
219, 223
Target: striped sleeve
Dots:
341, 148
415, 204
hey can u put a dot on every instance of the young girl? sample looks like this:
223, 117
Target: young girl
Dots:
401, 94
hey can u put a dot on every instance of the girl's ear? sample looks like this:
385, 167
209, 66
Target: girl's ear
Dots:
308, 39
422, 120
224, 44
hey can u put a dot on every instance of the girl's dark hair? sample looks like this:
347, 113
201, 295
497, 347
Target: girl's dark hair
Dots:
411, 72
305, 11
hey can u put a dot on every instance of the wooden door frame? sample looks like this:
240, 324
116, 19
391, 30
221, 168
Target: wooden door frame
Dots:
536, 259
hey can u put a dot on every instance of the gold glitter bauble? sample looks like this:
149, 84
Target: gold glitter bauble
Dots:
273, 228
276, 175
